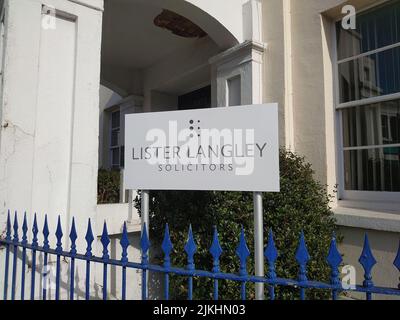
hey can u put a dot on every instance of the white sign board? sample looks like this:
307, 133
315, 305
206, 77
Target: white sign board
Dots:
230, 149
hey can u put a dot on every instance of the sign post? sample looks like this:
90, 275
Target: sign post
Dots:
258, 243
219, 149
144, 209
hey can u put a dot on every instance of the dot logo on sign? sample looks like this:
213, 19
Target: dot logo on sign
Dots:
192, 128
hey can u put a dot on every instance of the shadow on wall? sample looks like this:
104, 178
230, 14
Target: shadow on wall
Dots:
134, 276
46, 277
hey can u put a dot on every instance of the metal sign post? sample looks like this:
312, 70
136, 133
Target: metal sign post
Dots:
144, 208
258, 243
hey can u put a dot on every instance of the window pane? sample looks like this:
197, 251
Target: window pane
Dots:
372, 169
376, 28
115, 119
371, 76
115, 157
198, 99
122, 157
234, 91
115, 138
375, 124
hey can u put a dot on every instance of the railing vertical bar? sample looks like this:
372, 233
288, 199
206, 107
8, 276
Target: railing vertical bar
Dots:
242, 251
271, 291
144, 245
167, 247
302, 257
33, 275
15, 256
271, 254
190, 288
166, 286
58, 266
89, 240
123, 283
6, 271
87, 284
215, 295
105, 281
14, 272
124, 242
34, 245
334, 260
45, 259
73, 236
243, 290
144, 284
190, 249
72, 280
45, 272
8, 238
216, 252
24, 243
105, 240
302, 294
59, 250
367, 260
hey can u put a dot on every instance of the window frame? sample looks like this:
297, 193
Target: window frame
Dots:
352, 198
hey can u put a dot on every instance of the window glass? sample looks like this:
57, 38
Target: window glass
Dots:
375, 29
372, 125
374, 75
234, 91
375, 169
115, 119
197, 99
115, 138
115, 157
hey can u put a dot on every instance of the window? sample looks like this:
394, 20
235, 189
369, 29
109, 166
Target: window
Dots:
198, 99
368, 106
234, 91
116, 150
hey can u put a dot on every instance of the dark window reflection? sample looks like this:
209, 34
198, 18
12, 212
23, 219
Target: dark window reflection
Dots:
372, 125
376, 28
372, 169
370, 76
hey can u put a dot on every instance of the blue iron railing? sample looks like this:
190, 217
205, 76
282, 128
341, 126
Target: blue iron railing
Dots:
334, 259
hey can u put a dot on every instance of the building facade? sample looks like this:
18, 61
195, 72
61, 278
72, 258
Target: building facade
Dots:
338, 91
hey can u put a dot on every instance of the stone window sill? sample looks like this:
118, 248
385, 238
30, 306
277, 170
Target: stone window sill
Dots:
367, 219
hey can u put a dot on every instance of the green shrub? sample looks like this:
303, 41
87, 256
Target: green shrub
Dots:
302, 204
108, 185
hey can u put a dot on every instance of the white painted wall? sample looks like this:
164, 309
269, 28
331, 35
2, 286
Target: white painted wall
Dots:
298, 74
50, 115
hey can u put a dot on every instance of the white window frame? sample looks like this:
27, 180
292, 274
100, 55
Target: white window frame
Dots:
376, 199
